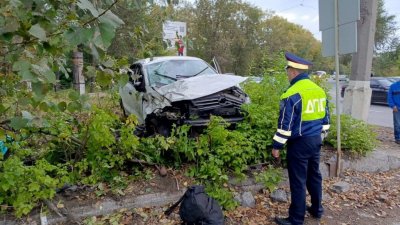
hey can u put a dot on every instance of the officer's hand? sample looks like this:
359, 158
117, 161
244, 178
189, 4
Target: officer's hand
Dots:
395, 109
324, 134
275, 153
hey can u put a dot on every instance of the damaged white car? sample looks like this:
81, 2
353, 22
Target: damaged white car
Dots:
180, 90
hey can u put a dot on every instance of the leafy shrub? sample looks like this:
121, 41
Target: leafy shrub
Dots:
23, 187
357, 137
106, 152
263, 112
222, 195
270, 178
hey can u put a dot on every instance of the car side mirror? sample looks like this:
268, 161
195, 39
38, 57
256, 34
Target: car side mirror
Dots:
135, 77
137, 81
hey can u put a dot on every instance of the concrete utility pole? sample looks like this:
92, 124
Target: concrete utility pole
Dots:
357, 97
79, 80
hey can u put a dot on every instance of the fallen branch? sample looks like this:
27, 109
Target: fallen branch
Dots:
142, 162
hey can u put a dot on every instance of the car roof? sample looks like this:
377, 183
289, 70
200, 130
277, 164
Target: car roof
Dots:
165, 58
380, 78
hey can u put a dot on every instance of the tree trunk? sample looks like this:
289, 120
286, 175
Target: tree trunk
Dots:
79, 80
357, 97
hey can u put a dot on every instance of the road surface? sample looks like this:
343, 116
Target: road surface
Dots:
378, 114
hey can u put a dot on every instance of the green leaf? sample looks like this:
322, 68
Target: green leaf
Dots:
50, 76
27, 115
62, 106
44, 106
24, 101
90, 72
111, 19
74, 106
73, 95
78, 36
3, 108
45, 72
37, 31
107, 33
109, 63
85, 4
40, 90
103, 79
94, 51
34, 187
21, 65
27, 75
18, 122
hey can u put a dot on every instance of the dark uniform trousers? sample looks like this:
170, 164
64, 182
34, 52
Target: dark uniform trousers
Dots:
303, 154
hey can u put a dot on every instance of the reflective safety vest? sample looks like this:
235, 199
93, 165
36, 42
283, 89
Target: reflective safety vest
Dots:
313, 99
303, 112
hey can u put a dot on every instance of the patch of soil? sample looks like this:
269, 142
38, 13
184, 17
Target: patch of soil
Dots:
385, 136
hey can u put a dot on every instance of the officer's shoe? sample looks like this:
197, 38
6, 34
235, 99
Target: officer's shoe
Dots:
283, 221
313, 215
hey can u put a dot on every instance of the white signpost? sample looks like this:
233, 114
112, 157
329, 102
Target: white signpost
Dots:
172, 30
338, 23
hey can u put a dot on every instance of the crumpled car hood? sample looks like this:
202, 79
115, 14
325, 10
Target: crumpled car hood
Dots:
199, 86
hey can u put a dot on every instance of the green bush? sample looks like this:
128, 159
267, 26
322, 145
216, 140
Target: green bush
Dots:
357, 137
270, 178
23, 186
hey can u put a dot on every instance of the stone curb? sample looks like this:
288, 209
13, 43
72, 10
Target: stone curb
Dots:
108, 206
377, 161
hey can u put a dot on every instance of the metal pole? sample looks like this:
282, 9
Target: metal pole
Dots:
339, 147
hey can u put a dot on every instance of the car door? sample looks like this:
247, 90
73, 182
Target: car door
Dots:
375, 91
381, 93
132, 93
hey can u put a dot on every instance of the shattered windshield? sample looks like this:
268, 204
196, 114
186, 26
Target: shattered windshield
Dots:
167, 72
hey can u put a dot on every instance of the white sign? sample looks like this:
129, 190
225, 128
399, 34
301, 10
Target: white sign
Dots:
348, 13
172, 31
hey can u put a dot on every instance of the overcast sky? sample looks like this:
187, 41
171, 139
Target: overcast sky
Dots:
305, 12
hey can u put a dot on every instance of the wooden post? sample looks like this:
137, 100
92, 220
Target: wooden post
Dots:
79, 80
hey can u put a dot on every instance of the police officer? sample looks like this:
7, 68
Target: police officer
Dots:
303, 123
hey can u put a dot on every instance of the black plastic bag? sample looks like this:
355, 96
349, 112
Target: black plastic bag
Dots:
197, 208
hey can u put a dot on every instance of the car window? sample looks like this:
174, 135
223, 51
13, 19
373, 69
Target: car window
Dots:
374, 83
166, 72
385, 83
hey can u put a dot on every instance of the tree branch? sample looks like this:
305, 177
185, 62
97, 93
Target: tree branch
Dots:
101, 14
61, 32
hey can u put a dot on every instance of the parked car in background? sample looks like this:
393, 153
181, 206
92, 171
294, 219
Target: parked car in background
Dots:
318, 74
394, 79
342, 77
380, 87
180, 90
255, 79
